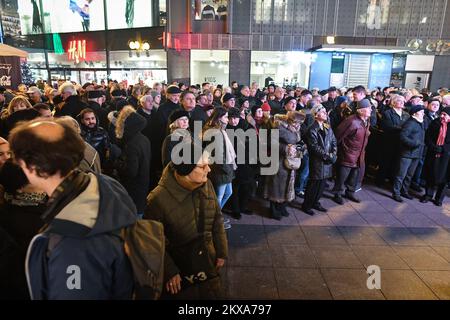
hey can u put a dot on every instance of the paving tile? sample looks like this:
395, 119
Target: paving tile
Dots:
278, 235
250, 256
293, 256
316, 220
415, 220
432, 236
336, 257
443, 220
348, 219
444, 252
349, 284
438, 281
253, 219
251, 283
246, 235
300, 284
404, 285
422, 258
399, 236
381, 220
382, 256
369, 206
393, 206
323, 235
361, 236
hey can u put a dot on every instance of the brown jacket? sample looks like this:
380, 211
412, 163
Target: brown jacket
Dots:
352, 136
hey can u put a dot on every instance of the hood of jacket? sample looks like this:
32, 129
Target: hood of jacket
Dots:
104, 206
130, 125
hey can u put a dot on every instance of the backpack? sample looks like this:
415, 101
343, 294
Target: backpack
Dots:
144, 244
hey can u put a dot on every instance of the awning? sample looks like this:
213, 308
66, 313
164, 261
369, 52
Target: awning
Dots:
358, 49
9, 51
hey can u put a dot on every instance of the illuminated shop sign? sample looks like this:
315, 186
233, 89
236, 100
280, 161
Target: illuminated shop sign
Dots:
77, 50
437, 47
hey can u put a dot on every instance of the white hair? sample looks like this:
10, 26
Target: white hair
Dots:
68, 87
143, 99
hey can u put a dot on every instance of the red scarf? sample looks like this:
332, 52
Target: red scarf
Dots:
442, 134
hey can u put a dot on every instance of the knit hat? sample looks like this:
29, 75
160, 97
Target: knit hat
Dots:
266, 107
316, 109
416, 108
177, 114
254, 109
154, 94
184, 169
364, 103
227, 96
446, 110
341, 99
235, 113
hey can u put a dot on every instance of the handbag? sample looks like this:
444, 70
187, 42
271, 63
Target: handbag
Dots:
193, 258
293, 159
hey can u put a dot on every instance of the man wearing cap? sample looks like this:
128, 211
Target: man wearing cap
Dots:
35, 95
359, 93
72, 103
352, 136
228, 101
412, 141
322, 149
95, 101
330, 104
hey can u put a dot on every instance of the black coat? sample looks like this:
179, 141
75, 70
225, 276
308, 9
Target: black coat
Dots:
322, 149
436, 168
135, 177
245, 172
412, 139
72, 107
198, 114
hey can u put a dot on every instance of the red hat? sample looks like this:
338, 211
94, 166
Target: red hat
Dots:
266, 107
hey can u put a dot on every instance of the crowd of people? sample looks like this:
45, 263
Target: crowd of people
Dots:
80, 162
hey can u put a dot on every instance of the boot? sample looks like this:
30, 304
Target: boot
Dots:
283, 209
275, 211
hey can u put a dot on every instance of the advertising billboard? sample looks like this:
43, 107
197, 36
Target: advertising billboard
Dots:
210, 9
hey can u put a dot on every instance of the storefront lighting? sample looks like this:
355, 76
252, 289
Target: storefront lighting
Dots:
212, 64
330, 40
145, 46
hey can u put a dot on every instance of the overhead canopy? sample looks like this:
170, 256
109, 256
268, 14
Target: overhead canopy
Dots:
9, 51
358, 48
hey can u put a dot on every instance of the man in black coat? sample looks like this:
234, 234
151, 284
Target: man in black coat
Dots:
72, 102
391, 124
160, 128
199, 112
412, 141
322, 149
331, 103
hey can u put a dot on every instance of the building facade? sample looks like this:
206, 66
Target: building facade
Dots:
310, 43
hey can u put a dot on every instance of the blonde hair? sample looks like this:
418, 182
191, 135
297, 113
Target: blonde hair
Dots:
14, 103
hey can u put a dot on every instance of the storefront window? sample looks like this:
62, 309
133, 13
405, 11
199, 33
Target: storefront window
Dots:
151, 59
149, 77
210, 66
96, 59
281, 68
36, 60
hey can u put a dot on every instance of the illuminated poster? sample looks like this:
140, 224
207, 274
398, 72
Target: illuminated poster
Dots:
210, 9
10, 18
123, 14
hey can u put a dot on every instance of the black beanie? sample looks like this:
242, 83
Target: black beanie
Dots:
177, 114
184, 169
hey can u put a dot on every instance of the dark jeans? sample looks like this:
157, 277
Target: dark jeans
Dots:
440, 193
417, 178
402, 180
302, 174
346, 178
314, 191
241, 195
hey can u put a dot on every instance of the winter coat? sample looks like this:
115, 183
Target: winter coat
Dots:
137, 154
276, 106
280, 187
170, 142
245, 172
373, 116
352, 136
436, 168
98, 138
412, 139
178, 210
84, 237
322, 150
198, 114
71, 107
